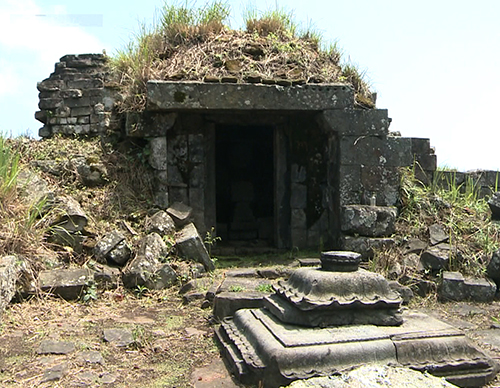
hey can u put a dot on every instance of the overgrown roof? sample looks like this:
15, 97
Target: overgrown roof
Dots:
196, 44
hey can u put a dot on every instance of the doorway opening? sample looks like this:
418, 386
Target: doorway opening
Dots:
244, 165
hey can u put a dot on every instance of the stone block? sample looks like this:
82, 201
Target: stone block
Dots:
437, 234
373, 122
375, 151
167, 95
435, 258
158, 156
71, 93
370, 221
50, 103
84, 60
105, 245
81, 111
299, 173
382, 182
480, 290
350, 187
196, 148
366, 246
92, 83
197, 176
191, 246
67, 283
50, 85
70, 215
149, 124
11, 269
452, 286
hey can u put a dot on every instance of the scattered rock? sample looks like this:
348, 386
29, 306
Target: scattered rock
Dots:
191, 246
163, 277
91, 356
414, 246
180, 213
437, 234
107, 277
435, 258
113, 247
153, 247
55, 373
192, 296
370, 221
160, 223
107, 378
494, 204
118, 337
55, 347
90, 174
11, 269
67, 283
70, 215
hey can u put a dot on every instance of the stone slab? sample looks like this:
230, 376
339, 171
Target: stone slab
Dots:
261, 349
67, 283
173, 96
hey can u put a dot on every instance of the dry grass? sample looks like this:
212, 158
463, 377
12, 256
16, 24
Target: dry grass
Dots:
194, 44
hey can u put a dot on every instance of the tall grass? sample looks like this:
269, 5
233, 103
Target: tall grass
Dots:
459, 209
9, 170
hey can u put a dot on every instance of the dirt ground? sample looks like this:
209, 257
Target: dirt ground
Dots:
170, 340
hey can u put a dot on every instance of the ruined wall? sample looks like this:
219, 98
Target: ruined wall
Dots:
74, 99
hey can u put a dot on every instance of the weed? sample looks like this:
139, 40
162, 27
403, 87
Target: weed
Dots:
90, 293
264, 288
141, 291
236, 288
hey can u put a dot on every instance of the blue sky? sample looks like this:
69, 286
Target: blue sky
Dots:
434, 64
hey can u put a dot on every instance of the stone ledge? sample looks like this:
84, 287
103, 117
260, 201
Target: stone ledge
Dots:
170, 96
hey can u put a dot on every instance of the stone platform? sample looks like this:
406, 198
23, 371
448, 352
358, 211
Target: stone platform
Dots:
263, 350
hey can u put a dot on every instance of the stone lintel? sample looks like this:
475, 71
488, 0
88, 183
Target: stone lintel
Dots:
174, 96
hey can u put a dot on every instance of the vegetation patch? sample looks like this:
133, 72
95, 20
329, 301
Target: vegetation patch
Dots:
195, 44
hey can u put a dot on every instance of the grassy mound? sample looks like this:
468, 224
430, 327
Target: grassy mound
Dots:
188, 43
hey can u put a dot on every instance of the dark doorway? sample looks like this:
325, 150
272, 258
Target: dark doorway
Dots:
244, 163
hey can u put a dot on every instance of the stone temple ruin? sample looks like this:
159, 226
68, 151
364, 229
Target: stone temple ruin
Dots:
267, 163
281, 166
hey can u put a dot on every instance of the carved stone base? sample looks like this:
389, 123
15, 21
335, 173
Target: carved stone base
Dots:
263, 350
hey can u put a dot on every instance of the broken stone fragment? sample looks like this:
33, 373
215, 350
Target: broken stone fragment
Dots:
191, 246
55, 347
160, 223
180, 213
90, 174
146, 268
118, 337
370, 221
114, 247
70, 215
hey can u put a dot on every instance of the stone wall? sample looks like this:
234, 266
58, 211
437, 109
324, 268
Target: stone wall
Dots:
74, 99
